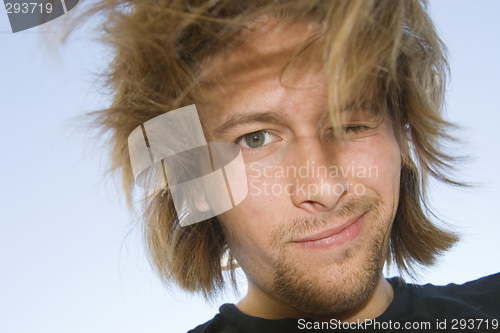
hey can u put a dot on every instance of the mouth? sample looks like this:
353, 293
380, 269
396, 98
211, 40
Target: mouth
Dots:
332, 237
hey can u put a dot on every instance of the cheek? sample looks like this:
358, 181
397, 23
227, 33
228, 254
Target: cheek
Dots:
377, 165
249, 225
267, 193
248, 233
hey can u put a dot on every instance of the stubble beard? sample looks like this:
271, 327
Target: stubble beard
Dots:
342, 287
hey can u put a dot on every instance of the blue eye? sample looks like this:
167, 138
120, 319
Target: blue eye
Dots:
255, 139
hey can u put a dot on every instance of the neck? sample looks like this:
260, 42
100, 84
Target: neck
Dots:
258, 303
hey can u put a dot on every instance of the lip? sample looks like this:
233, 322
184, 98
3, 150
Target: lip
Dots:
335, 236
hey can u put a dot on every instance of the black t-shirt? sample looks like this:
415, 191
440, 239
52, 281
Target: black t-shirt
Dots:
471, 307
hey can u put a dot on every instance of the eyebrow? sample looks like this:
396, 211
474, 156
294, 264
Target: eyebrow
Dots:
352, 107
256, 117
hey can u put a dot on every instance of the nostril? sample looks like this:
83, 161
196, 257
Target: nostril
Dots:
316, 205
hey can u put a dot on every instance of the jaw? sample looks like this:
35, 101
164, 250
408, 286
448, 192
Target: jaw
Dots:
258, 303
343, 283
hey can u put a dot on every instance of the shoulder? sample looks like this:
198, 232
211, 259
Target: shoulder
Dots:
218, 324
479, 298
214, 325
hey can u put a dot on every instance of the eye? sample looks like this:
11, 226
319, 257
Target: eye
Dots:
256, 139
355, 128
347, 132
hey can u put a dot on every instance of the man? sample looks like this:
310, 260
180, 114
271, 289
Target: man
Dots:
336, 109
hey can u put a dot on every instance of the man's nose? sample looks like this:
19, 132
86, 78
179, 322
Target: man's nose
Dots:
317, 183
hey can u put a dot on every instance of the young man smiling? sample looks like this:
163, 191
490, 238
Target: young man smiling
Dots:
299, 84
303, 252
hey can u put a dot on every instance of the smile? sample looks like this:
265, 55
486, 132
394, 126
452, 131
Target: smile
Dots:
333, 237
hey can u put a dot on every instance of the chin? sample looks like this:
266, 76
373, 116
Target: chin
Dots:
334, 289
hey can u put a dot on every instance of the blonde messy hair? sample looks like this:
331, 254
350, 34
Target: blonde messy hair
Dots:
389, 46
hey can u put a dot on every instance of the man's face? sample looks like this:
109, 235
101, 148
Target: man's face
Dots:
313, 231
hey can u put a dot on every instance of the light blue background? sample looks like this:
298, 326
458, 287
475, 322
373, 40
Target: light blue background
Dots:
68, 262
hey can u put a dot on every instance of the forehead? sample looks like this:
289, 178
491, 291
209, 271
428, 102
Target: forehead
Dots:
271, 66
264, 49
